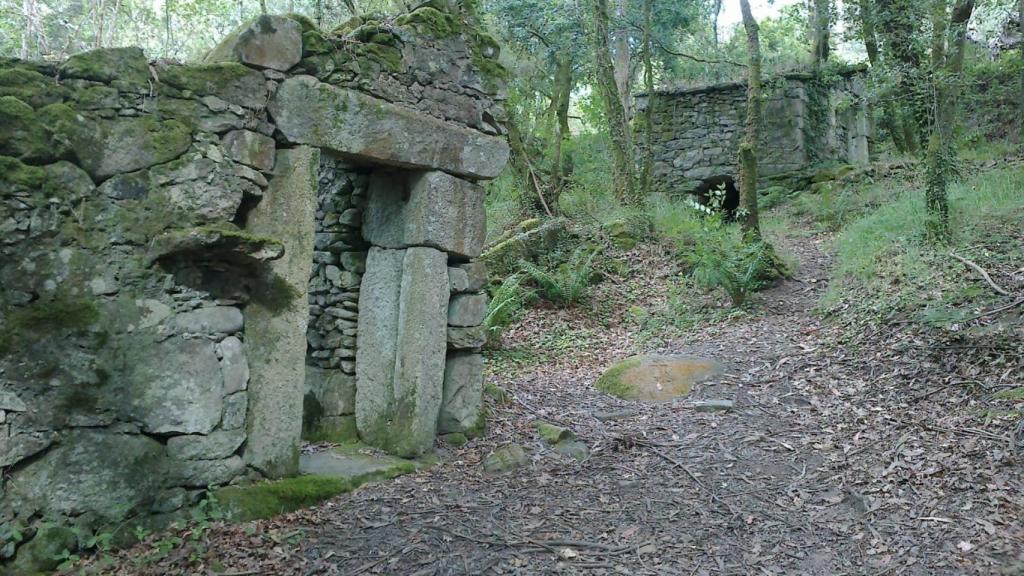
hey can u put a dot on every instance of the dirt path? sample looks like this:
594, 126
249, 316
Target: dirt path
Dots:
836, 460
829, 465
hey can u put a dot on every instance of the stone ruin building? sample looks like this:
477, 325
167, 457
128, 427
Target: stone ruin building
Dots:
697, 131
202, 264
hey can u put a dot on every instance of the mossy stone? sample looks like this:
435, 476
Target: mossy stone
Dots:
306, 23
268, 499
30, 86
313, 42
16, 175
431, 22
42, 553
506, 459
229, 81
552, 434
127, 65
655, 378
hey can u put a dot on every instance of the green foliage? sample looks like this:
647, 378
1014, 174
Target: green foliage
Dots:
568, 283
738, 268
507, 302
886, 266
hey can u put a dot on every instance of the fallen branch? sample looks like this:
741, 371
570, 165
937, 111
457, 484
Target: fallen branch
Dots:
984, 274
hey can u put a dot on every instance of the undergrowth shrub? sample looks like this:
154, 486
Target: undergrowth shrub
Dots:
507, 302
568, 283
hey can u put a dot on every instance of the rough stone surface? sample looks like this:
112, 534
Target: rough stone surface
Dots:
276, 323
129, 144
466, 337
398, 396
213, 446
506, 459
180, 387
234, 365
114, 474
250, 148
308, 111
696, 132
467, 309
425, 209
267, 42
462, 393
215, 319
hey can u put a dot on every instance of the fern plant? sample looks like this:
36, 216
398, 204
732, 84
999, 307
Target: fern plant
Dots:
738, 269
506, 303
569, 283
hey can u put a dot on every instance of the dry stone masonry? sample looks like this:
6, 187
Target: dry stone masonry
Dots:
203, 263
697, 131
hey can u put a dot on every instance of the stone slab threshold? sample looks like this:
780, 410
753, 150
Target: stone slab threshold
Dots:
322, 475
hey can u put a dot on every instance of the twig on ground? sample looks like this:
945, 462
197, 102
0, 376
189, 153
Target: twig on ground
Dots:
984, 274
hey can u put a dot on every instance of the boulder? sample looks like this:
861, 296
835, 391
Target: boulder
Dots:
425, 209
250, 148
175, 386
655, 378
553, 434
210, 320
128, 144
362, 127
43, 553
212, 446
462, 393
503, 258
266, 42
228, 81
126, 65
275, 326
466, 337
467, 309
113, 474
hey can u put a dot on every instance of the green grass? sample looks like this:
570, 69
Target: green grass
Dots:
885, 265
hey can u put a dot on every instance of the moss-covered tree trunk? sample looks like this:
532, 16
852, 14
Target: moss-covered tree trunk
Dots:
821, 27
751, 134
615, 113
647, 162
562, 94
947, 60
899, 22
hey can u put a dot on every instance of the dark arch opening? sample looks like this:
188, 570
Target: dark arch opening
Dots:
709, 187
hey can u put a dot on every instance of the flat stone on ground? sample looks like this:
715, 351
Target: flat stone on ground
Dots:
656, 378
355, 463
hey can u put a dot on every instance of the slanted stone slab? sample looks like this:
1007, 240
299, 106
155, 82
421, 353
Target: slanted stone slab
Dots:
353, 124
250, 148
463, 392
356, 464
275, 325
401, 356
265, 42
425, 209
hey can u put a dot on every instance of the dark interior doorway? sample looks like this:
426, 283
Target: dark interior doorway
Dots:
719, 191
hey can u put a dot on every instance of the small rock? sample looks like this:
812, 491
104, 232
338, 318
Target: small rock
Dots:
574, 449
506, 458
233, 365
212, 320
713, 405
553, 434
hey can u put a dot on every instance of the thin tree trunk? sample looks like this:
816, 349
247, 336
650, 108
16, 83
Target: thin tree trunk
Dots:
621, 57
647, 165
867, 30
821, 24
263, 6
748, 146
562, 91
26, 30
714, 22
168, 37
899, 24
948, 57
101, 16
615, 113
1020, 99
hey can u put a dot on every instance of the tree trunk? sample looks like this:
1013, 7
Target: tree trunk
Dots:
621, 57
562, 92
948, 59
899, 23
867, 30
749, 144
647, 162
615, 113
26, 30
821, 25
714, 22
1020, 99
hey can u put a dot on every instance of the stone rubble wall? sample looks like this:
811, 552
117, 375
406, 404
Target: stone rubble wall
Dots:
185, 254
697, 132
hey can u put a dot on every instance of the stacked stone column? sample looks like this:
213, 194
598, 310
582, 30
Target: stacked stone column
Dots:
424, 229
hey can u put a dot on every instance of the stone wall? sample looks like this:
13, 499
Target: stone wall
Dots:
197, 261
697, 131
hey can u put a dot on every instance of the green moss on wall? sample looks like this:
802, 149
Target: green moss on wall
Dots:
16, 174
431, 22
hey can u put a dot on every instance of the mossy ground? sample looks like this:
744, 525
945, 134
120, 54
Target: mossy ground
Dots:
268, 499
